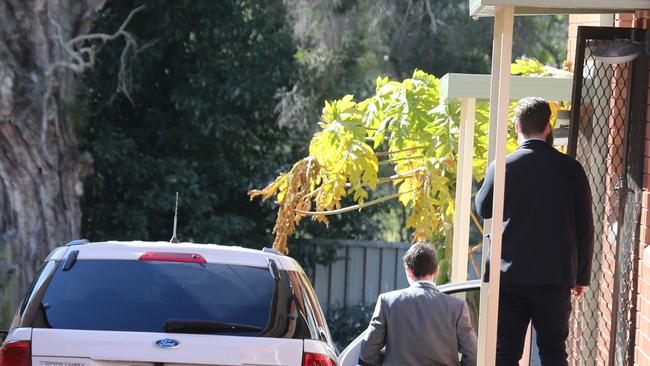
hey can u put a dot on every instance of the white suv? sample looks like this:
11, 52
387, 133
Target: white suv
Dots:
163, 304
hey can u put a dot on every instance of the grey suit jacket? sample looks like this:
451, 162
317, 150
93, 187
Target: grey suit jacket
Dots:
419, 326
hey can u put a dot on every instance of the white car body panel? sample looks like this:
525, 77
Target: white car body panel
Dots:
19, 334
65, 361
99, 347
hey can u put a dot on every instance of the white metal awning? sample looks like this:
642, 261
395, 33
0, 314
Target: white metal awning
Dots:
478, 86
487, 8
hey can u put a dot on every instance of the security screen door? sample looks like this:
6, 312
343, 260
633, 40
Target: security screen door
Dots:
607, 136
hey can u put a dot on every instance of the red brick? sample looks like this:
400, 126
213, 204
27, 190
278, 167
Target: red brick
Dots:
643, 280
644, 325
571, 44
645, 199
639, 357
644, 342
642, 305
644, 235
624, 20
644, 270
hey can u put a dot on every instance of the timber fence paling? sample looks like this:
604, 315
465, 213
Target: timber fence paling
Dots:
360, 271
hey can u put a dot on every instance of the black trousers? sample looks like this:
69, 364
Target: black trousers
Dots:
548, 307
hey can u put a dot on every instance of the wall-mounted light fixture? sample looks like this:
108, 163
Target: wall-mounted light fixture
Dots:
617, 51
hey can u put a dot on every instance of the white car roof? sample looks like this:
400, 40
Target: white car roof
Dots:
213, 253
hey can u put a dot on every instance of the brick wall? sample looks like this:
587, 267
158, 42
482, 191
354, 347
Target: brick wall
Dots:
576, 20
642, 351
642, 340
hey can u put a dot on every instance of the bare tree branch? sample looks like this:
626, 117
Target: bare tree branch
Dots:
391, 161
386, 153
402, 24
353, 207
434, 26
81, 54
76, 48
106, 37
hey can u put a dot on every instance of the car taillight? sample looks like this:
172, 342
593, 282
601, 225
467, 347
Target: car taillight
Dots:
316, 359
16, 354
173, 257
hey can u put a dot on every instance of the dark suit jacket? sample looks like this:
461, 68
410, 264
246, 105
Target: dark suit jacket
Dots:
548, 229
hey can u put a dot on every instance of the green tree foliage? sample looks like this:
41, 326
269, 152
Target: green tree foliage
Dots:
541, 37
347, 322
224, 94
344, 45
200, 121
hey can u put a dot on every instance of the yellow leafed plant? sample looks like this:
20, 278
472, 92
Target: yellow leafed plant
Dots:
403, 125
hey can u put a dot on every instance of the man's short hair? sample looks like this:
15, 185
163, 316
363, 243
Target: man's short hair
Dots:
533, 115
421, 259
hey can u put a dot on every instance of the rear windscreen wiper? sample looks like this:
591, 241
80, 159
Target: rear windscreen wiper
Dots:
3, 335
205, 326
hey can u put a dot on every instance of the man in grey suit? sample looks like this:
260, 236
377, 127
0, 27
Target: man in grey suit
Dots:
419, 325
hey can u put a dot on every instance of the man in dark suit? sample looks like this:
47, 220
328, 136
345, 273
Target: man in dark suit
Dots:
419, 325
548, 238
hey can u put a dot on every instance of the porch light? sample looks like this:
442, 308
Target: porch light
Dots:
617, 51
561, 130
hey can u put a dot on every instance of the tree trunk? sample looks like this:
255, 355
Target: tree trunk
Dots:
41, 167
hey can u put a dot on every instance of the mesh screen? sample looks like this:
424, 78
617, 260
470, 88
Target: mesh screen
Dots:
605, 308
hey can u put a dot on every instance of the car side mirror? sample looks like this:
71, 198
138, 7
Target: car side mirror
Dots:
3, 335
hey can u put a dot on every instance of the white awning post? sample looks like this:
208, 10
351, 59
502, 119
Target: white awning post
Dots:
499, 100
463, 198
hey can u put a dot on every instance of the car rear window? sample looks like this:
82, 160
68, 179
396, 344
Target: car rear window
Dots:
140, 296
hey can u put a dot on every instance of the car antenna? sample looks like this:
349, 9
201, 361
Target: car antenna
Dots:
174, 239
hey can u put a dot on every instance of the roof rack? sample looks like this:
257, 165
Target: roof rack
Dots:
77, 242
271, 251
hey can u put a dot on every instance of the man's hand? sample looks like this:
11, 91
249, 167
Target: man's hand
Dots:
577, 291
